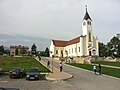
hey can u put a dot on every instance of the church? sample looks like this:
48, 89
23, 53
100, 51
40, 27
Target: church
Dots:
82, 46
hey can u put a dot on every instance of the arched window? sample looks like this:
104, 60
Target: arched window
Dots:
88, 22
84, 23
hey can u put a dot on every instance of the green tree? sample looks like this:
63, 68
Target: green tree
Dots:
42, 53
34, 49
1, 50
47, 52
114, 47
103, 50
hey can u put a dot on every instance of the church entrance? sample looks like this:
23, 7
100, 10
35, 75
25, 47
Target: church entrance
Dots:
90, 53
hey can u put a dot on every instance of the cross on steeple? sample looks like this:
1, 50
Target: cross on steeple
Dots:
86, 7
86, 14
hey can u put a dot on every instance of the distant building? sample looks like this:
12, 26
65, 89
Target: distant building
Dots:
83, 45
18, 50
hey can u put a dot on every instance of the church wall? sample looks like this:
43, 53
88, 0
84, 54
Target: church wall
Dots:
58, 51
73, 49
84, 46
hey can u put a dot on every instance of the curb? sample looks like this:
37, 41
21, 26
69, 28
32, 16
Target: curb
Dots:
56, 79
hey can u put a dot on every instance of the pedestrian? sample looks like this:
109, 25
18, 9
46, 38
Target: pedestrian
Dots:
94, 69
48, 64
61, 66
99, 69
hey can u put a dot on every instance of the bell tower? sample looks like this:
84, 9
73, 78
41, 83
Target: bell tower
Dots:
87, 32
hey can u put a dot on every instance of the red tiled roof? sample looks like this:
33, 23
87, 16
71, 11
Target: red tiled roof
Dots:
19, 47
61, 43
73, 41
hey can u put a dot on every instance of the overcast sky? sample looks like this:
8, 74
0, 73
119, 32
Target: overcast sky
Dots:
39, 21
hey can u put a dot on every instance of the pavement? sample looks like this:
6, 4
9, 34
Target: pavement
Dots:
55, 74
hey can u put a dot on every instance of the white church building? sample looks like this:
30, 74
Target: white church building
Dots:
83, 45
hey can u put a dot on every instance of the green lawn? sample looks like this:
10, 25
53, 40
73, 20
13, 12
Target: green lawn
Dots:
105, 70
108, 63
25, 62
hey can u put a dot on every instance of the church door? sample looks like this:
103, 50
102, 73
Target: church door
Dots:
89, 53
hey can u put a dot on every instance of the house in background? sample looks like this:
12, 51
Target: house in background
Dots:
18, 50
81, 46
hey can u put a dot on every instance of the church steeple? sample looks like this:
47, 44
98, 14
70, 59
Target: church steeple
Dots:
86, 17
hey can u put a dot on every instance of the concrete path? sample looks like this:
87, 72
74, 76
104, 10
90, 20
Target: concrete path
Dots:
56, 75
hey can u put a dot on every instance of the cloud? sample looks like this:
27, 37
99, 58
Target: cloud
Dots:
18, 39
57, 19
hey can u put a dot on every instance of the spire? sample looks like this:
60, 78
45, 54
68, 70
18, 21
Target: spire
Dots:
86, 17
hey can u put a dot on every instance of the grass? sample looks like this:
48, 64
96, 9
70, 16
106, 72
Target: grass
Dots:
117, 64
105, 70
25, 62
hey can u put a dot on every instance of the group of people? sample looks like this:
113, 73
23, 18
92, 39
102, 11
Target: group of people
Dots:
95, 68
61, 65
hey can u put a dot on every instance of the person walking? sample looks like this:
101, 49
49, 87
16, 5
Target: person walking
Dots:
61, 66
48, 64
94, 69
99, 69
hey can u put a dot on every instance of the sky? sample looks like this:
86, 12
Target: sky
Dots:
26, 22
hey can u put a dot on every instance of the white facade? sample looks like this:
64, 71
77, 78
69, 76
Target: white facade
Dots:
85, 45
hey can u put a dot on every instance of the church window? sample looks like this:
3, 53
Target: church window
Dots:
89, 37
56, 51
75, 49
84, 23
72, 50
61, 53
79, 49
90, 23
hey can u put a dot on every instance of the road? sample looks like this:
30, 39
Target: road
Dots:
82, 80
86, 80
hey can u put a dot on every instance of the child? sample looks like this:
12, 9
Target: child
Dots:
61, 66
94, 69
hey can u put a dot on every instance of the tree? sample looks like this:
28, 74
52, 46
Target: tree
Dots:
47, 52
103, 50
34, 49
1, 50
42, 53
114, 47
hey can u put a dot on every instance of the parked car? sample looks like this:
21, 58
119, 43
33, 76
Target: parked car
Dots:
1, 70
17, 72
2, 88
33, 74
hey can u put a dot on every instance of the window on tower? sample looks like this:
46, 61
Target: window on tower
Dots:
84, 23
88, 22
